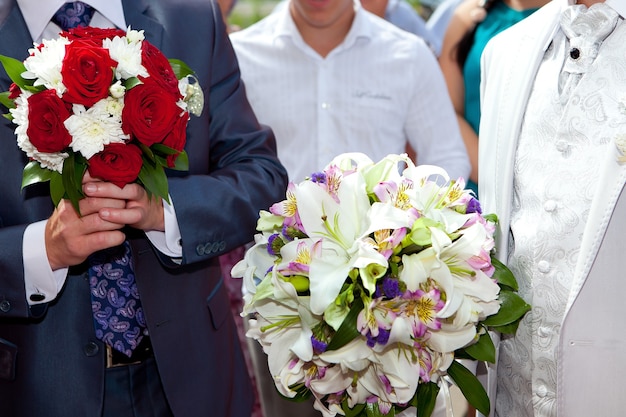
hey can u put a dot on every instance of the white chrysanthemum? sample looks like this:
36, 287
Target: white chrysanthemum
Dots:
134, 36
92, 129
127, 53
117, 90
52, 161
44, 64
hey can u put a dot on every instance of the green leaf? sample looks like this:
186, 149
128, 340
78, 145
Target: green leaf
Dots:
57, 190
470, 386
503, 275
425, 398
163, 149
181, 163
14, 69
492, 217
511, 309
483, 349
74, 168
180, 68
147, 153
152, 177
6, 101
352, 412
34, 173
132, 82
347, 332
507, 328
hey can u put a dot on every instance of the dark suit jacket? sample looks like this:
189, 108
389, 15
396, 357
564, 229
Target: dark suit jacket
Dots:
234, 172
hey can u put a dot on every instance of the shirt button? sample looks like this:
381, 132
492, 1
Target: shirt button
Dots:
325, 106
5, 306
543, 266
549, 205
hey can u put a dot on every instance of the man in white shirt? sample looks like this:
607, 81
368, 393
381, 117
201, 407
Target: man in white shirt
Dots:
553, 167
330, 77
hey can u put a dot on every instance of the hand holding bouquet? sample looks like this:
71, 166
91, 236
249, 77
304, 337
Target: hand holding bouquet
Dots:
103, 100
367, 284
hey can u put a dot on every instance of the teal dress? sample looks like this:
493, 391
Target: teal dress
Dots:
499, 18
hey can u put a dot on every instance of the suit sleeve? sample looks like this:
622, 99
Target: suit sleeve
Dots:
234, 170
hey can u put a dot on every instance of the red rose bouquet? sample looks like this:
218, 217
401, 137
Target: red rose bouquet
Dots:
104, 101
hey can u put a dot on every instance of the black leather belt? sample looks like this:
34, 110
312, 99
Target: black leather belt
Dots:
140, 354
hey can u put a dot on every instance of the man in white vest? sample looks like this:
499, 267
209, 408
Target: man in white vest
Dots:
552, 166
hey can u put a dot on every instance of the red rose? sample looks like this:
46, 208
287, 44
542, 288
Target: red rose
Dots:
14, 91
149, 113
46, 114
95, 34
176, 138
118, 163
87, 72
159, 68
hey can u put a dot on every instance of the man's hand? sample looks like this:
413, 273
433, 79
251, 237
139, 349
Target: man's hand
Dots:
106, 209
139, 211
70, 238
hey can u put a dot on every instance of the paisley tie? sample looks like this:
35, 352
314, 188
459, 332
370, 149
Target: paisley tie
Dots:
118, 316
586, 29
73, 14
117, 313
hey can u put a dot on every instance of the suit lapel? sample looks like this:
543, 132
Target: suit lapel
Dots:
15, 42
137, 14
612, 180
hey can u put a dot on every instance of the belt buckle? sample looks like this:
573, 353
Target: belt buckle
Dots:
111, 364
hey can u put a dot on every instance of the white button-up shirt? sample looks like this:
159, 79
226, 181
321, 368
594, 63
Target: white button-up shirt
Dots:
376, 91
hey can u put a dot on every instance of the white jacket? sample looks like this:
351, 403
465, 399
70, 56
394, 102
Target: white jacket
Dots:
592, 346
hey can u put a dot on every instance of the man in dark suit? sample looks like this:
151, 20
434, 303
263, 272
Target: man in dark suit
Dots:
51, 363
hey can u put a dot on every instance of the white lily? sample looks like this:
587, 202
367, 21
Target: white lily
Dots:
343, 227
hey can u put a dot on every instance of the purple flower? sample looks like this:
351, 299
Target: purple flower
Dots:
274, 243
389, 288
473, 206
318, 177
318, 345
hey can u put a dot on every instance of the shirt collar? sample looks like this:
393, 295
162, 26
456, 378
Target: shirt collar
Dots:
286, 27
37, 13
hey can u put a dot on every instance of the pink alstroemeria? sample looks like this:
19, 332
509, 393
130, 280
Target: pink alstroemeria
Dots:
374, 318
388, 240
422, 308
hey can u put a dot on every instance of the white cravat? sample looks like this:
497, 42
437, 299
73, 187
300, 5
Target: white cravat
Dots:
586, 29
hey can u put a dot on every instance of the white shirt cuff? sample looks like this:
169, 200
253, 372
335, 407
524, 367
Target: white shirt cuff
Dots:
168, 242
42, 284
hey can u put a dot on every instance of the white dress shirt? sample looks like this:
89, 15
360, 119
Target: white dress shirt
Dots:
376, 91
38, 275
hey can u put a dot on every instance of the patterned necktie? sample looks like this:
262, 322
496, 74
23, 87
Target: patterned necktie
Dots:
117, 313
73, 14
118, 316
586, 29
